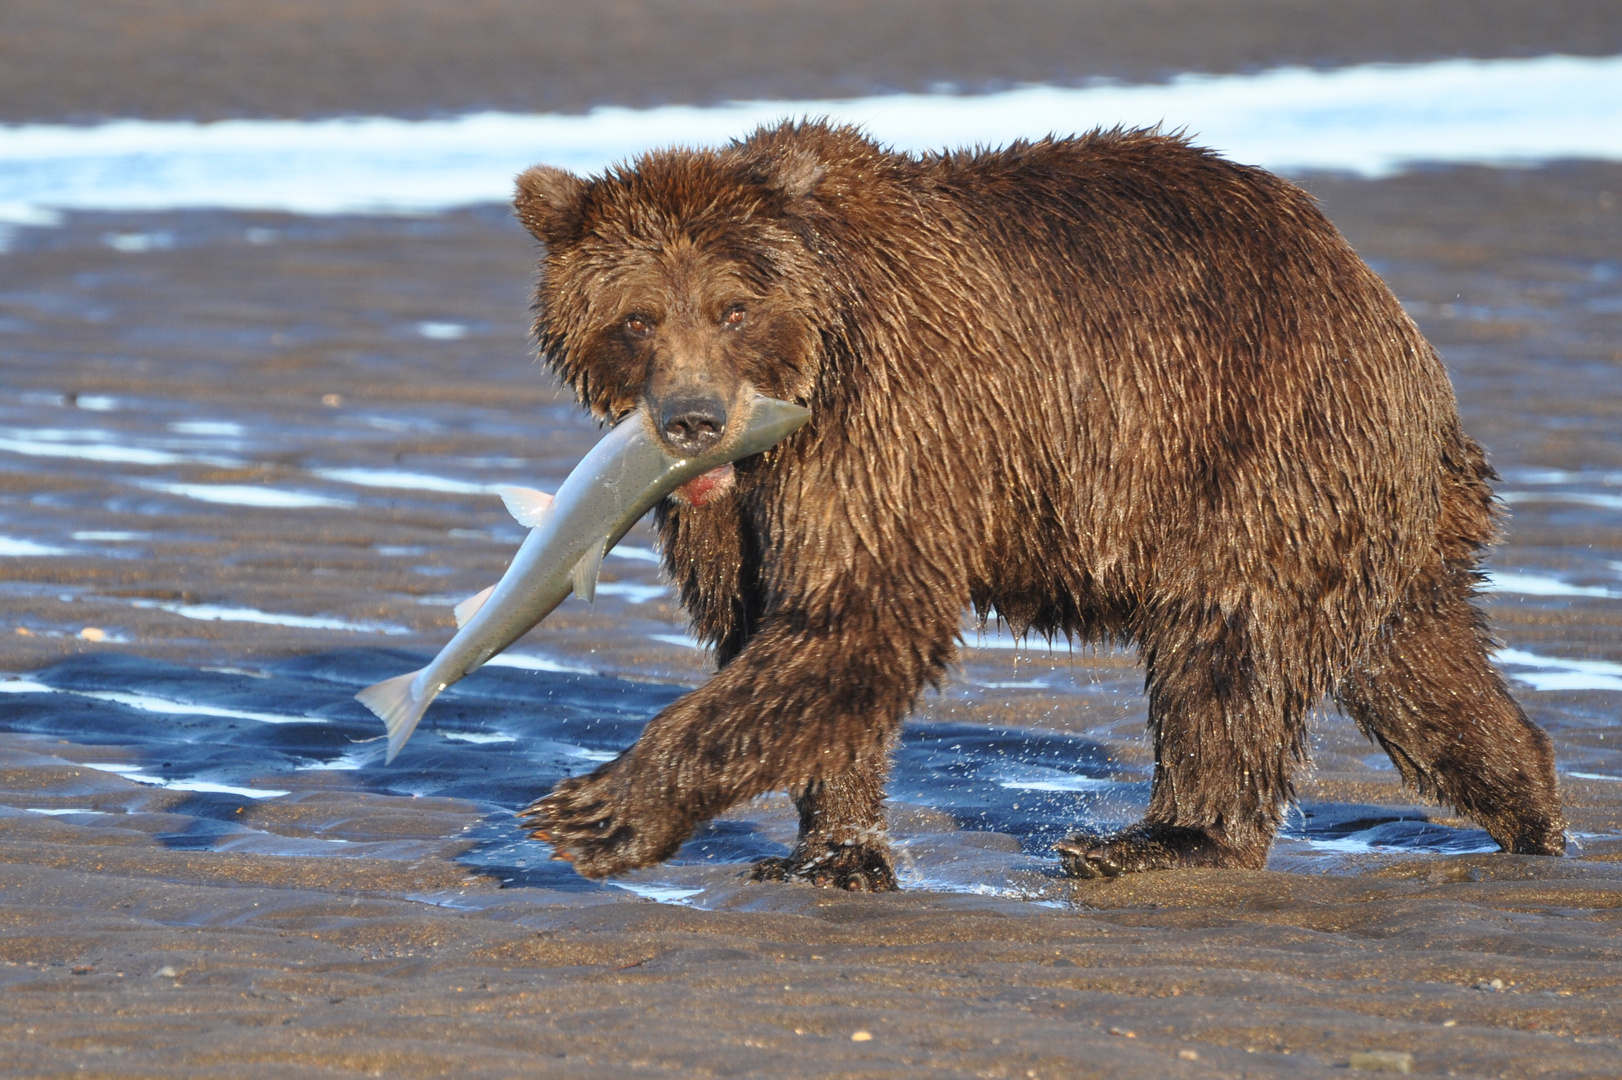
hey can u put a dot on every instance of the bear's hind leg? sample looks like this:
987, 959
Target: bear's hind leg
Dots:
1226, 722
842, 842
1432, 701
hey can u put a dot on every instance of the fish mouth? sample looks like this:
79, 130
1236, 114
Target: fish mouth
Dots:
706, 488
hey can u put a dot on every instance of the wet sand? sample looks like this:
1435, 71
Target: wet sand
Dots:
391, 922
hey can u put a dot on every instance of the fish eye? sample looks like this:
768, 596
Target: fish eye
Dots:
733, 317
638, 324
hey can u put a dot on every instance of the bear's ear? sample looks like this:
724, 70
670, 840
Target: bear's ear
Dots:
550, 203
793, 173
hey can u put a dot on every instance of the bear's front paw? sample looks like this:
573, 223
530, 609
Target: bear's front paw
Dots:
592, 822
1087, 856
1151, 847
851, 867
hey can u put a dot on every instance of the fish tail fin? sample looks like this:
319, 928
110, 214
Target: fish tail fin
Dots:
470, 607
398, 708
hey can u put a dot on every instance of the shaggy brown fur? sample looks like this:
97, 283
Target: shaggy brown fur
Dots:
1112, 387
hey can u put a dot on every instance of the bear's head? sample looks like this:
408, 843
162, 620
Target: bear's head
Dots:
689, 280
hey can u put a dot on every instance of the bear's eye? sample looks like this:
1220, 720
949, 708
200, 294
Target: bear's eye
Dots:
733, 317
638, 325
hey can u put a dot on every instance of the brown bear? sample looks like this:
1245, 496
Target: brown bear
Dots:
1113, 387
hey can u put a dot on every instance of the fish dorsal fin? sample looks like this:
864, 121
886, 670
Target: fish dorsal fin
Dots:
470, 607
585, 573
527, 505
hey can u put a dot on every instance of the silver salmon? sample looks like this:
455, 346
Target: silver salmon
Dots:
623, 476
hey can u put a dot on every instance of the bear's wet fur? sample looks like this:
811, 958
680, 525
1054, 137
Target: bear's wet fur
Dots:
1112, 387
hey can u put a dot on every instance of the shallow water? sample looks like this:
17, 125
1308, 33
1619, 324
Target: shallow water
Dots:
975, 806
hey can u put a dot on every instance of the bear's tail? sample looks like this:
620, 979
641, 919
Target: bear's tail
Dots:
1470, 517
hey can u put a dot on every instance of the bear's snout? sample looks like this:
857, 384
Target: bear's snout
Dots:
692, 423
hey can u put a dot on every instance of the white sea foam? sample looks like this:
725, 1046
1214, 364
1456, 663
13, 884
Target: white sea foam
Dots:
477, 737
1363, 843
136, 774
638, 554
1537, 585
1560, 476
156, 704
1579, 498
82, 445
61, 811
632, 592
221, 789
1371, 119
530, 662
663, 894
676, 639
1540, 476
19, 548
249, 495
213, 613
170, 707
135, 243
225, 429
404, 481
442, 331
109, 536
1037, 778
1554, 673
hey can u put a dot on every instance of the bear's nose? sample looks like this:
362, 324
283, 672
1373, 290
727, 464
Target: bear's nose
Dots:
693, 424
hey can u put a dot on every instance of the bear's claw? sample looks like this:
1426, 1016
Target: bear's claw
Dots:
1086, 859
851, 867
589, 825
1154, 846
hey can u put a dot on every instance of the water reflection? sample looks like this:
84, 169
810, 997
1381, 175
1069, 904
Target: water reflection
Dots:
975, 807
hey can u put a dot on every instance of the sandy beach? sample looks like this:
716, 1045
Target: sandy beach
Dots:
205, 417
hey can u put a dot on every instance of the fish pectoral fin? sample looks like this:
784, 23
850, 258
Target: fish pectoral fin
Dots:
585, 573
527, 505
470, 607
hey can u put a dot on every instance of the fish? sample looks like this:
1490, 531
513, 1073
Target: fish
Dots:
619, 480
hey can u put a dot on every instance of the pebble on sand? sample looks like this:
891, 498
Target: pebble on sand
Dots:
860, 1036
1391, 1061
93, 633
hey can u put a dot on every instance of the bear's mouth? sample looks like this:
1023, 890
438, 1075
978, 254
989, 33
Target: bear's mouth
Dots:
705, 488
